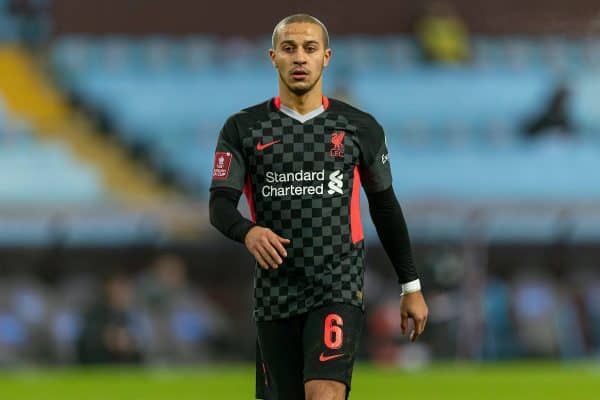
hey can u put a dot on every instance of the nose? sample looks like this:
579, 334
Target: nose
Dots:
300, 57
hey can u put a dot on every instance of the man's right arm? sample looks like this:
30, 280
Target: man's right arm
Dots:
228, 179
225, 216
264, 244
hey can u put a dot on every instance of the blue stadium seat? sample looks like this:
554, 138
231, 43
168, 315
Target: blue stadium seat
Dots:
172, 96
9, 28
35, 171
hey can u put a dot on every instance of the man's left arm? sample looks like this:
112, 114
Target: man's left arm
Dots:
390, 224
386, 213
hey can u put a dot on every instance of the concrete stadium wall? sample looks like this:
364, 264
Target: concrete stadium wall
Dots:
230, 17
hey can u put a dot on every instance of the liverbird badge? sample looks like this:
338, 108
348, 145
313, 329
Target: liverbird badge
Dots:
337, 139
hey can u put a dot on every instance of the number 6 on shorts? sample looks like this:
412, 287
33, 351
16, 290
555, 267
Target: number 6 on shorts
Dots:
333, 335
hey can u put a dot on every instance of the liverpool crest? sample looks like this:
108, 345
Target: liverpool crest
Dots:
337, 140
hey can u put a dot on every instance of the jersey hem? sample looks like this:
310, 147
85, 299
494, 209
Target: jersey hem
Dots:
290, 314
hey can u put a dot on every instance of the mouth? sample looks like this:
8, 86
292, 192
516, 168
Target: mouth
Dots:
299, 74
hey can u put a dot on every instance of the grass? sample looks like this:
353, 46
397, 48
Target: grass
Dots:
507, 381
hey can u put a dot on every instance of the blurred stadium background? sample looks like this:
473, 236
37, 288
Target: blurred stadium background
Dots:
109, 113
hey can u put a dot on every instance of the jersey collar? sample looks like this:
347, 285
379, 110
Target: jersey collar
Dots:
296, 115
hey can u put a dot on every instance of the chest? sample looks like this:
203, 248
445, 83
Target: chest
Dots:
284, 145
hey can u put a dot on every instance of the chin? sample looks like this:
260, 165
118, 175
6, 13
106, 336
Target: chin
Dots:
300, 89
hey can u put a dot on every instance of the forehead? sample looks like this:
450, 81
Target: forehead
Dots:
300, 32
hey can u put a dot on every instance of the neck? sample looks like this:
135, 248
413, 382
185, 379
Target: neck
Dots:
303, 103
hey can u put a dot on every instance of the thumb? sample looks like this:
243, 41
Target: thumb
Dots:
403, 322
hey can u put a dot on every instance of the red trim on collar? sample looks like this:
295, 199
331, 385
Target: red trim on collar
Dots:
277, 102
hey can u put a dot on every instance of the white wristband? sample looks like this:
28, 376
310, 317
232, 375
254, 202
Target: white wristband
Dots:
412, 286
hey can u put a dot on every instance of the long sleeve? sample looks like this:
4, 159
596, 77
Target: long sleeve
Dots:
225, 216
389, 222
376, 178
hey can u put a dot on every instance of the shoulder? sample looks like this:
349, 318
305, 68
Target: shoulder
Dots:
261, 108
252, 113
370, 134
360, 118
237, 122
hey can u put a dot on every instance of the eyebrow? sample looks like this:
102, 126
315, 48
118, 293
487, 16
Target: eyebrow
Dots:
289, 41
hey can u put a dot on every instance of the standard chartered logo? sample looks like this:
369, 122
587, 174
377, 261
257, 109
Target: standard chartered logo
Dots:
335, 182
301, 183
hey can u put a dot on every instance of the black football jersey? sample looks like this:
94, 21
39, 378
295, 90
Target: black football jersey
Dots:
302, 180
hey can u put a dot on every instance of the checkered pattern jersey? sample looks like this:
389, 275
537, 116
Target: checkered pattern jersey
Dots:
325, 256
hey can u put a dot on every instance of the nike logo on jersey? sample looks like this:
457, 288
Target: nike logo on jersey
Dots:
261, 147
324, 358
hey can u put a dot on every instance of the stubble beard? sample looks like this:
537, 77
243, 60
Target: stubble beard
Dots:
300, 91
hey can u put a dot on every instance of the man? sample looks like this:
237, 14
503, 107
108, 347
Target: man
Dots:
300, 159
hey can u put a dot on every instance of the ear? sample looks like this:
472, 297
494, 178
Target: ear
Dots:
327, 57
272, 57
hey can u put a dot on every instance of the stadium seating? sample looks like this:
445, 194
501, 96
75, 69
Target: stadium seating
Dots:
9, 24
42, 174
460, 123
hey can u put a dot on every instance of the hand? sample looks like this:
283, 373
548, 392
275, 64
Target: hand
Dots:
412, 305
266, 246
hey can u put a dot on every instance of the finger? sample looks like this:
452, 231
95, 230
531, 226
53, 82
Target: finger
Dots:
403, 323
283, 240
266, 256
414, 335
419, 325
419, 328
260, 260
279, 247
423, 326
273, 253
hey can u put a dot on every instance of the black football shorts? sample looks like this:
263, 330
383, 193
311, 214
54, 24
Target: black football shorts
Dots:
320, 344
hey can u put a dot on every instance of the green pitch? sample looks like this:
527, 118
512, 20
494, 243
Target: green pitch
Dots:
515, 381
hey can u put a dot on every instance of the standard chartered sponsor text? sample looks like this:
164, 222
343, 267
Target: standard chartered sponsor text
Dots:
299, 183
298, 176
292, 190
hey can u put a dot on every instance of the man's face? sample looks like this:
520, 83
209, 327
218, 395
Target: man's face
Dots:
300, 56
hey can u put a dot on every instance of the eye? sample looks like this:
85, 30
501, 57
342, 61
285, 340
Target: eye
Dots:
311, 49
288, 49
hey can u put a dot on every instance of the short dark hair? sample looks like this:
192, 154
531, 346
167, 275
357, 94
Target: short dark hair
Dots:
299, 18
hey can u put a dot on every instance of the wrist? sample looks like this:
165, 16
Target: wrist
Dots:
410, 287
245, 229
